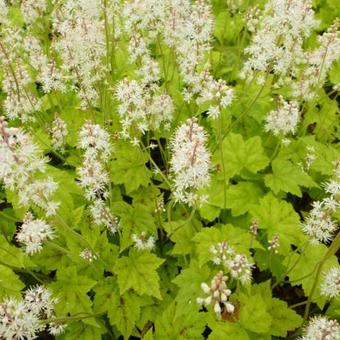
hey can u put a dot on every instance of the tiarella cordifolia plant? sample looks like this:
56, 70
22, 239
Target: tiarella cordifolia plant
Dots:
24, 319
169, 169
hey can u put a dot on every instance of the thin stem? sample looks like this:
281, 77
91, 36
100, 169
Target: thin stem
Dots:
72, 318
333, 248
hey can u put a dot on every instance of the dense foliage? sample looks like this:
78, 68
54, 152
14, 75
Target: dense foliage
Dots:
169, 169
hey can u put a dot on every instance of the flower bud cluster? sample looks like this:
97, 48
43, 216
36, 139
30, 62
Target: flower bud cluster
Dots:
33, 233
321, 328
190, 162
217, 295
237, 264
274, 244
88, 255
22, 319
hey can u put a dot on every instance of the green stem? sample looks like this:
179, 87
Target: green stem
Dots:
333, 248
184, 223
72, 318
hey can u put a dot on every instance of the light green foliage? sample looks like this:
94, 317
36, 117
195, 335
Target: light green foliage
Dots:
138, 271
140, 263
241, 155
128, 167
278, 217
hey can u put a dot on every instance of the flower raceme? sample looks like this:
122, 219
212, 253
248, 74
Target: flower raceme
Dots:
20, 163
190, 162
217, 294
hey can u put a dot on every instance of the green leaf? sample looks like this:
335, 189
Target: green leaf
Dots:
125, 311
279, 217
7, 222
242, 197
10, 284
236, 237
287, 177
227, 331
11, 255
284, 318
133, 219
239, 155
71, 288
80, 330
129, 168
181, 233
303, 269
174, 323
138, 271
253, 313
189, 282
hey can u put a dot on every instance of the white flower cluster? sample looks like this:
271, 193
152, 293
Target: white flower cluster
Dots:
33, 233
48, 73
319, 62
80, 30
142, 242
237, 264
22, 319
319, 225
330, 286
20, 165
93, 176
277, 45
142, 103
58, 133
186, 29
20, 101
284, 119
190, 162
321, 328
217, 294
3, 11
33, 9
206, 89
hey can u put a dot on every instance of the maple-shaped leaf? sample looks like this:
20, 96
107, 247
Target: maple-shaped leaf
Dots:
279, 218
287, 177
239, 155
129, 168
138, 271
71, 288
